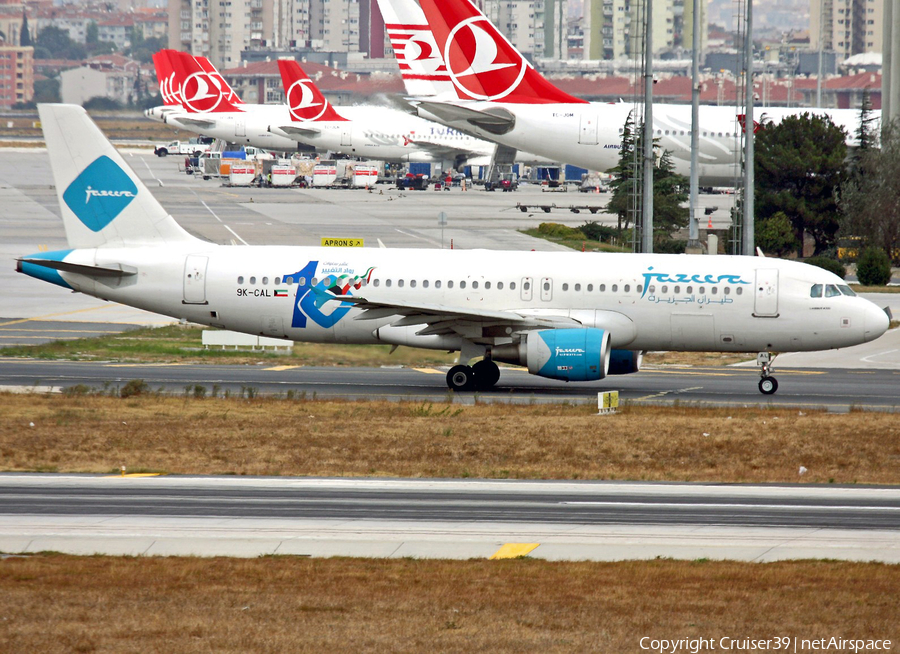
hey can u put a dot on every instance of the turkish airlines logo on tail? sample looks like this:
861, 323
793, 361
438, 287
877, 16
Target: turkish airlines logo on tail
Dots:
200, 93
302, 100
169, 90
416, 50
481, 66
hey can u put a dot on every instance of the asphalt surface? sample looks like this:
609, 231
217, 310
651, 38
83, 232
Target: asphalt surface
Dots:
832, 389
86, 514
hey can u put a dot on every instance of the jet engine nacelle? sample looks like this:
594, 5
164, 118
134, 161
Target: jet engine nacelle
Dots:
566, 354
625, 362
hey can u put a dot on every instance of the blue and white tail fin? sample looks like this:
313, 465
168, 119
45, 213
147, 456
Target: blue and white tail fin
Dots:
102, 200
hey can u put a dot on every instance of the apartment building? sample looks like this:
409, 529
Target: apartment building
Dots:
16, 75
847, 27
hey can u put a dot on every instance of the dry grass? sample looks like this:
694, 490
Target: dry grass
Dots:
333, 438
58, 603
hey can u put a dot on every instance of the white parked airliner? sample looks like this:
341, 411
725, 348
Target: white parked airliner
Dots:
198, 99
570, 316
469, 76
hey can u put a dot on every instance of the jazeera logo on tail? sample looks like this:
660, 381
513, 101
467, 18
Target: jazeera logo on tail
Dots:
100, 193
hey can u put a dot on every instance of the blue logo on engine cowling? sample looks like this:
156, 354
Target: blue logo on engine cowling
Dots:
100, 193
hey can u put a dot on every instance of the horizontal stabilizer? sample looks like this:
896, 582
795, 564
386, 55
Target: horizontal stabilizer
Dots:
109, 270
292, 130
187, 120
496, 120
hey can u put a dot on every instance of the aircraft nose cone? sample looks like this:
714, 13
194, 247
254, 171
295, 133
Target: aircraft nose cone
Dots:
876, 322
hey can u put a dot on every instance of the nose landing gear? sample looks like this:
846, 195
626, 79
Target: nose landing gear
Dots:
767, 384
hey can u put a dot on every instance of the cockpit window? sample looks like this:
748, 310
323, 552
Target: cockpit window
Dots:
815, 291
846, 290
831, 290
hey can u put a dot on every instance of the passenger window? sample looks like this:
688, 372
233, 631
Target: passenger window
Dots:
387, 283
487, 286
846, 290
615, 288
727, 290
546, 286
627, 288
577, 287
602, 288
265, 280
640, 288
565, 287
450, 284
689, 289
424, 283
377, 282
512, 286
590, 288
664, 289
831, 291
739, 290
715, 290
474, 285
241, 279
314, 281
677, 289
527, 286
277, 281
437, 283
253, 280
462, 284
290, 281
412, 283
499, 286
701, 290
400, 283
301, 281
651, 289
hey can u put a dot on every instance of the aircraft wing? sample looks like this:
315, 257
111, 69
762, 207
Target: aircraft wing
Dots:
444, 319
293, 130
496, 120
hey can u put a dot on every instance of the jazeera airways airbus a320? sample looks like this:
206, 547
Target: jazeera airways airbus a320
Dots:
568, 316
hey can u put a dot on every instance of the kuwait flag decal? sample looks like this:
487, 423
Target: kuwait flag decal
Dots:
281, 293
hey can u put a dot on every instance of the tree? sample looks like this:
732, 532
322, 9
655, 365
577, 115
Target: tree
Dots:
799, 169
25, 34
56, 41
873, 267
46, 90
775, 235
869, 198
668, 188
92, 34
622, 184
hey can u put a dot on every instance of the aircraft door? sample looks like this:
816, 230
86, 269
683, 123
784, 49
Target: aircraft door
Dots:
546, 289
347, 136
527, 289
766, 294
195, 279
589, 127
474, 288
240, 128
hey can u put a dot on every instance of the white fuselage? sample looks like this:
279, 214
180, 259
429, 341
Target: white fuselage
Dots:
645, 302
369, 132
589, 135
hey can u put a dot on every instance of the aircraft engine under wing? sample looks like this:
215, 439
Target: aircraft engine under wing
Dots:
496, 120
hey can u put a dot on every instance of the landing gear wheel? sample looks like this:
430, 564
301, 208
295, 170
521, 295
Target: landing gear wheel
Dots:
768, 385
486, 374
461, 378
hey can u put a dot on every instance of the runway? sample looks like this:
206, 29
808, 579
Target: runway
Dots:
831, 389
207, 516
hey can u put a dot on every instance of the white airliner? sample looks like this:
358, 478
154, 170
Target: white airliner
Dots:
210, 107
471, 77
569, 316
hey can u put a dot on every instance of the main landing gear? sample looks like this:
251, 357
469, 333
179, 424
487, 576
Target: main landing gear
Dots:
767, 384
479, 377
